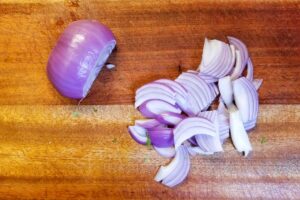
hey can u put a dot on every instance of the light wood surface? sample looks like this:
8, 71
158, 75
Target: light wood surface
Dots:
70, 152
50, 148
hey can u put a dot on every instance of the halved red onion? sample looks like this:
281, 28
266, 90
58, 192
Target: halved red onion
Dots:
153, 108
216, 59
174, 173
246, 98
161, 137
257, 83
249, 70
167, 152
238, 134
225, 88
147, 123
242, 48
154, 90
170, 118
78, 56
138, 133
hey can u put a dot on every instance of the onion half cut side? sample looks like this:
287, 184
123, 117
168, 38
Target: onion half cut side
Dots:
78, 56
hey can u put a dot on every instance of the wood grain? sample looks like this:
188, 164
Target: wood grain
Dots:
70, 152
51, 149
155, 39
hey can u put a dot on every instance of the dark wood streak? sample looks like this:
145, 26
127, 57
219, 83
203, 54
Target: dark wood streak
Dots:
153, 37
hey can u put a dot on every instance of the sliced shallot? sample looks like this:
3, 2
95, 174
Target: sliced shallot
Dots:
175, 172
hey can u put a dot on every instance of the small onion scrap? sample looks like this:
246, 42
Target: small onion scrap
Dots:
78, 57
180, 120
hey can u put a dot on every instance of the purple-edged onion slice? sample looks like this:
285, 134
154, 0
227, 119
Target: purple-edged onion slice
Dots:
207, 143
246, 99
181, 94
203, 129
78, 56
208, 78
170, 118
200, 91
138, 133
161, 137
217, 59
175, 172
148, 123
154, 90
153, 108
242, 48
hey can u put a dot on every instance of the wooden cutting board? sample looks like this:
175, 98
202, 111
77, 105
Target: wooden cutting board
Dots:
50, 148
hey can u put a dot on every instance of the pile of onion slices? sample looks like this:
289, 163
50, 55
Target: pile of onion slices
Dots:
180, 120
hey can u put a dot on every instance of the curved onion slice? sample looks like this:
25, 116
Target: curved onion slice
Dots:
147, 123
199, 89
242, 48
225, 88
175, 172
152, 108
170, 118
207, 78
203, 129
181, 96
238, 69
238, 134
249, 70
161, 137
167, 152
246, 98
138, 133
78, 56
154, 91
217, 59
207, 143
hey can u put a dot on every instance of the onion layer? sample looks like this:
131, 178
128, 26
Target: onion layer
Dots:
174, 173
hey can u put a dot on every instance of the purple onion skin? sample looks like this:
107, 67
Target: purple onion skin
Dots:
79, 52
